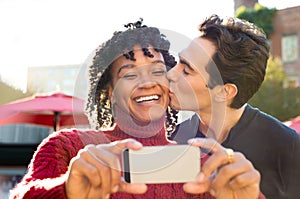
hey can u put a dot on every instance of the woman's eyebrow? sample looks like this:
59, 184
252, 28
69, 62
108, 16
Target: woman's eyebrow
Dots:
125, 66
158, 62
133, 65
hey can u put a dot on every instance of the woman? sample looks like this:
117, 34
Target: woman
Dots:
127, 101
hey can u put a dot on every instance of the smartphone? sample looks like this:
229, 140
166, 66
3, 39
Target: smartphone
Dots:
161, 164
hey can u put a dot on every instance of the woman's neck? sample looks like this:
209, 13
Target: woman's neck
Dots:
135, 128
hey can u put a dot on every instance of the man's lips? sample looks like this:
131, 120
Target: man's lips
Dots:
171, 93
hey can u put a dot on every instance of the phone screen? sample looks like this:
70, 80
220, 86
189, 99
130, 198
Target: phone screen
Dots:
161, 164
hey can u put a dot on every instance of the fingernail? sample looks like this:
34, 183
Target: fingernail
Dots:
200, 177
136, 143
193, 140
115, 189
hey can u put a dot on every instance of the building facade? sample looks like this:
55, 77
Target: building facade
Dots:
285, 41
62, 78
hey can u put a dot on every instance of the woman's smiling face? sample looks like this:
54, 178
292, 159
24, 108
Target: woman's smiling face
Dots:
140, 87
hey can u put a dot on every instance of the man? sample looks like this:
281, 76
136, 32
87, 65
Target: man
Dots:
216, 76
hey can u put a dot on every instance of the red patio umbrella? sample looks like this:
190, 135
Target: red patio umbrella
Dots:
294, 124
55, 110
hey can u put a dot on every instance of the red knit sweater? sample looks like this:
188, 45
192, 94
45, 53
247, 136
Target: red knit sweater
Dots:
46, 174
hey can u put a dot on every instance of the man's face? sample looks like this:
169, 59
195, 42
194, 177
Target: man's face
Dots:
189, 78
140, 87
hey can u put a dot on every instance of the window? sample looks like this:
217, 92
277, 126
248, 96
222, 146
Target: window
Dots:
68, 82
289, 48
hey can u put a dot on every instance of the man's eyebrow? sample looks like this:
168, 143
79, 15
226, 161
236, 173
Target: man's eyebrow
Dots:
133, 65
183, 61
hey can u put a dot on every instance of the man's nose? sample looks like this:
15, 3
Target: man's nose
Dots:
172, 75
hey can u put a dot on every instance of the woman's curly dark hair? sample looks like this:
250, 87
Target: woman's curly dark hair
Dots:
98, 107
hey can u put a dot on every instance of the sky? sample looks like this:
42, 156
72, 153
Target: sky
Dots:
64, 32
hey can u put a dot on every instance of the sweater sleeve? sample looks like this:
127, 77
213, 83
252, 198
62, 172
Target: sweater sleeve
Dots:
261, 196
46, 173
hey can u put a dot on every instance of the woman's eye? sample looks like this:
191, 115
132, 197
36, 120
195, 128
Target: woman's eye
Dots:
129, 76
159, 72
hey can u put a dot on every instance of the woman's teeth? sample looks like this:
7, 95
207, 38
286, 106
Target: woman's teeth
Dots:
147, 98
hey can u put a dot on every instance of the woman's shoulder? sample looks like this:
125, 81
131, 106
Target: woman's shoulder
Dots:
76, 136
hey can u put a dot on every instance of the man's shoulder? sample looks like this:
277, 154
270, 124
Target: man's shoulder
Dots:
186, 129
190, 119
260, 121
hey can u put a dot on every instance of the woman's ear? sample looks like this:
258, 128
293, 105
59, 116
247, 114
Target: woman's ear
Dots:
111, 94
225, 92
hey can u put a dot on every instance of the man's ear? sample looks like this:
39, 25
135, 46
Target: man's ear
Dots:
231, 90
225, 92
219, 93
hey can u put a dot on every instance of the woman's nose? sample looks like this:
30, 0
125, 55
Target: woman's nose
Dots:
146, 81
146, 84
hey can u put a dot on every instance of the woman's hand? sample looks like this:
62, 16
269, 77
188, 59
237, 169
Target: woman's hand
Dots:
96, 171
225, 174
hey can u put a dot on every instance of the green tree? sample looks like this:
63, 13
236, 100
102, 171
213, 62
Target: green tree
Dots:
9, 93
275, 97
260, 15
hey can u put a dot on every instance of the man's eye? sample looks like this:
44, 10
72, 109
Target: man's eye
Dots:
185, 72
